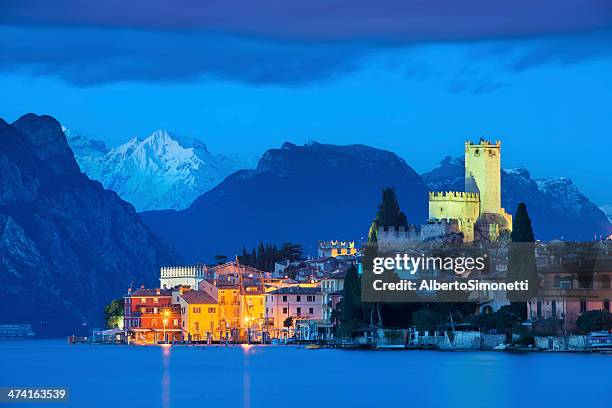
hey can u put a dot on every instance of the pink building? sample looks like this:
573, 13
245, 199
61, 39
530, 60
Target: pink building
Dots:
299, 303
569, 290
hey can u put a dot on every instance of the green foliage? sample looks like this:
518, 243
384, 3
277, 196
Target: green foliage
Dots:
428, 319
220, 259
350, 308
547, 327
389, 212
521, 255
288, 322
521, 225
113, 313
502, 320
266, 255
526, 340
594, 320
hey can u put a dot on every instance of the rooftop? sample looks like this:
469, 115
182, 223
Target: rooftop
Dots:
198, 297
295, 290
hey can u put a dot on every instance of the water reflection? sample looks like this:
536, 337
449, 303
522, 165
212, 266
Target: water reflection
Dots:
165, 375
247, 349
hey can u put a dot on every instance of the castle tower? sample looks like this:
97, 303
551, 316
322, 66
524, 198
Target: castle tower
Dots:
483, 174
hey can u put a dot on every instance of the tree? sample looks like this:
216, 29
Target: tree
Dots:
291, 251
594, 320
521, 259
521, 225
350, 306
220, 259
427, 319
288, 322
113, 313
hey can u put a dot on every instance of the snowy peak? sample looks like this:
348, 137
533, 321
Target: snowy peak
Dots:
161, 171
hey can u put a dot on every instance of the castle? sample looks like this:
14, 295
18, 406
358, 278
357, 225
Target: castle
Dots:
477, 210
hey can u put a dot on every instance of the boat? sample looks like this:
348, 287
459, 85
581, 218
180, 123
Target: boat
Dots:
313, 346
600, 341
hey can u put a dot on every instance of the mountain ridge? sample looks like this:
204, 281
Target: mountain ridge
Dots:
161, 171
67, 245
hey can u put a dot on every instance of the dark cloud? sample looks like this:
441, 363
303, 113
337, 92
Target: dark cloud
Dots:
290, 43
325, 20
94, 56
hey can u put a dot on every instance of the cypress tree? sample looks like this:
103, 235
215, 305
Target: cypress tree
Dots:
521, 225
521, 260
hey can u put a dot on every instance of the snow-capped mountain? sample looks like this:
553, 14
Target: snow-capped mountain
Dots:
607, 209
162, 171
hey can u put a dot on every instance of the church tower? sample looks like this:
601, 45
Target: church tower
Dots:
483, 174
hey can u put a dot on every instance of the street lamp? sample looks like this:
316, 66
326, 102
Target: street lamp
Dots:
166, 315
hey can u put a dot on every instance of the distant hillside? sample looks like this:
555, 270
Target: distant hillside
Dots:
67, 245
297, 193
556, 207
162, 171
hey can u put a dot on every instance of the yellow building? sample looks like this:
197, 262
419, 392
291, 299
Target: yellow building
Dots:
478, 209
229, 308
199, 315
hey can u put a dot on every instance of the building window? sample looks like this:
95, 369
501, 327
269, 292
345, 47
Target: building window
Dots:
539, 309
606, 305
155, 300
310, 298
143, 300
211, 310
175, 322
557, 281
311, 310
553, 308
284, 298
284, 310
299, 311
583, 305
298, 298
197, 310
605, 282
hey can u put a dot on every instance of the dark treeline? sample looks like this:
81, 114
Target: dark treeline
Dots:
265, 255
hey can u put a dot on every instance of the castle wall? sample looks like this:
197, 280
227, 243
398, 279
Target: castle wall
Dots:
483, 174
453, 205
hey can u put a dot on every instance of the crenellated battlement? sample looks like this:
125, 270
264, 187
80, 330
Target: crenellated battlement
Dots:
453, 196
482, 143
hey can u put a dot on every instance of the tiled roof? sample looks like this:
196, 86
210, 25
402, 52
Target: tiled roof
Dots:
198, 297
295, 290
142, 292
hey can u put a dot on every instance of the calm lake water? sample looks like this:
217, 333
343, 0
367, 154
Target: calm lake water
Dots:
285, 376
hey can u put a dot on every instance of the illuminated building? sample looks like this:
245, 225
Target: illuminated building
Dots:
151, 317
333, 249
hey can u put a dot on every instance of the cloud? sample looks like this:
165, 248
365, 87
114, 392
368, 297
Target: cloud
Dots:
85, 56
324, 20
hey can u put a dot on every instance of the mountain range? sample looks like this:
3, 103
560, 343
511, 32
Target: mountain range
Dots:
67, 245
297, 193
161, 171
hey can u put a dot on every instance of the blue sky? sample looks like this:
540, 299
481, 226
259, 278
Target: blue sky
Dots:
244, 83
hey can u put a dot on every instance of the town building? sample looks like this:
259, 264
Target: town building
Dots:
199, 316
332, 287
570, 289
286, 305
192, 275
150, 316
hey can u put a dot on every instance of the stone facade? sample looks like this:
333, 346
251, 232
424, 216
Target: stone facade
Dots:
478, 208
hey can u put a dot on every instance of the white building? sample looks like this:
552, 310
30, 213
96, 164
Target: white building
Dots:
173, 276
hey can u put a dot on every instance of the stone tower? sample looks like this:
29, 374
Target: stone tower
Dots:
483, 174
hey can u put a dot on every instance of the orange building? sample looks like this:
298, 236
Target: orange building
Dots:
150, 316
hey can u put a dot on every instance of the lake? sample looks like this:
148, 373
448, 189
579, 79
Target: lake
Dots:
285, 376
